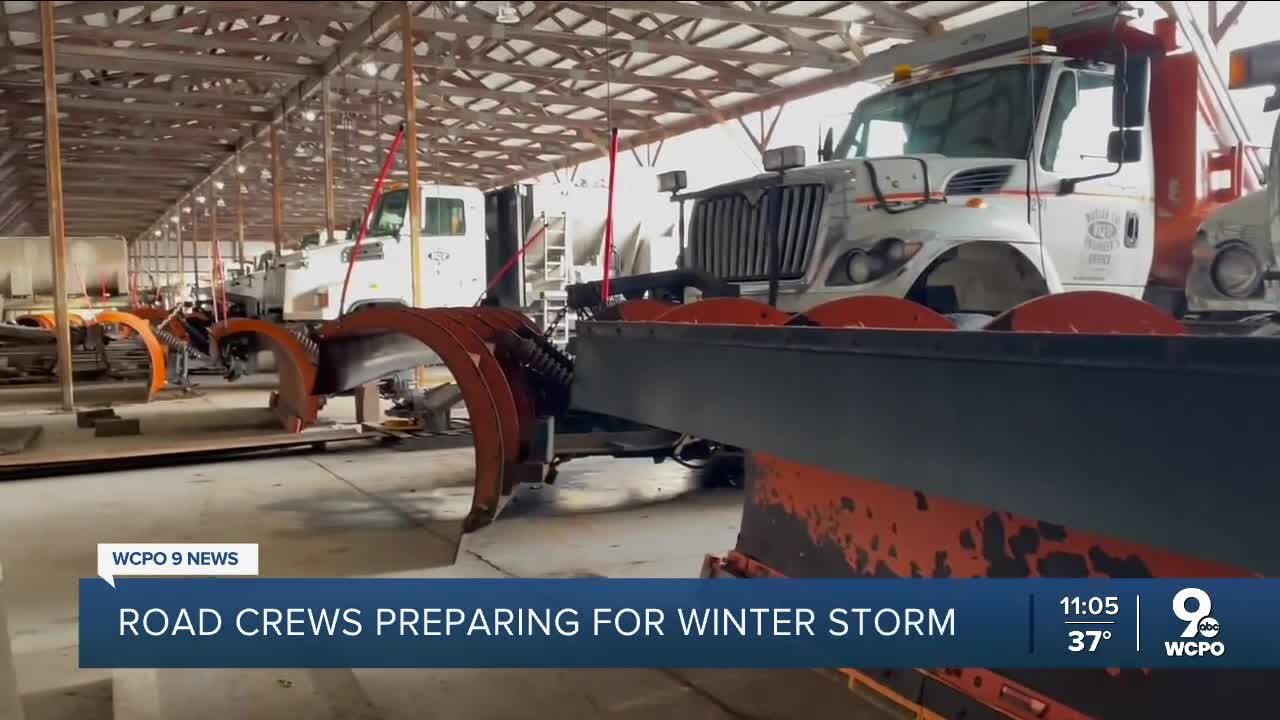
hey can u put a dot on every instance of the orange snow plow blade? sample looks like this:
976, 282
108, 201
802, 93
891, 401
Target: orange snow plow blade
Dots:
370, 343
882, 442
295, 403
155, 351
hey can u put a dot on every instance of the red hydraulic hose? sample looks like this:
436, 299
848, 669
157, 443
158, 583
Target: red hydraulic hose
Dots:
502, 271
608, 220
368, 213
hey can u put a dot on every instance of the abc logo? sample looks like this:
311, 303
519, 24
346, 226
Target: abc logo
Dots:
1192, 606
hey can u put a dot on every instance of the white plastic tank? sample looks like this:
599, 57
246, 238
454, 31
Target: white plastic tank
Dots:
26, 265
643, 227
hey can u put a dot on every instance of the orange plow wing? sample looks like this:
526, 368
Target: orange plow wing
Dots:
295, 367
155, 350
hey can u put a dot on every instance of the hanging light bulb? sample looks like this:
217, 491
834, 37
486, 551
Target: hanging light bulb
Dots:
157, 232
369, 68
218, 184
240, 169
507, 14
309, 115
200, 199
186, 210
221, 203
174, 219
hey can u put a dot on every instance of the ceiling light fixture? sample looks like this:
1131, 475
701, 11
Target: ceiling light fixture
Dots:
507, 14
200, 199
309, 115
240, 169
369, 68
218, 184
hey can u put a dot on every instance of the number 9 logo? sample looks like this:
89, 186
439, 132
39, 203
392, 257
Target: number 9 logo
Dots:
1192, 617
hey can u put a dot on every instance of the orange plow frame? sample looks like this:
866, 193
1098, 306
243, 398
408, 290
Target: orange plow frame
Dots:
294, 402
142, 328
497, 408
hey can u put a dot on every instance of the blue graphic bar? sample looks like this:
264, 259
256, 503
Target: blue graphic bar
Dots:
510, 623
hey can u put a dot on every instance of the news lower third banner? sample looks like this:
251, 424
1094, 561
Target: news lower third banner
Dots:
517, 623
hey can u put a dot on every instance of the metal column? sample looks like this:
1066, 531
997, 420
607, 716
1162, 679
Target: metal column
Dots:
195, 250
182, 260
326, 112
411, 153
239, 216
277, 193
57, 228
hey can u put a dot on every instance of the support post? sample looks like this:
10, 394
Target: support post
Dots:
239, 217
182, 260
326, 112
168, 264
57, 228
195, 250
214, 257
368, 404
411, 153
277, 193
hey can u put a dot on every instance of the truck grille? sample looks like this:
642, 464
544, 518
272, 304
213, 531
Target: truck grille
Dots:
728, 237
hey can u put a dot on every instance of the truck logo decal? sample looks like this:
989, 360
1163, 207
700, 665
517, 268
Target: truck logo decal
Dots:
1101, 230
437, 256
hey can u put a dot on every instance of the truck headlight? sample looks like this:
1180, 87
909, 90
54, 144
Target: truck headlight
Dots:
861, 267
1236, 271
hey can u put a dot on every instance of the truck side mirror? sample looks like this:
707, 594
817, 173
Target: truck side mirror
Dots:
1124, 146
827, 152
1129, 93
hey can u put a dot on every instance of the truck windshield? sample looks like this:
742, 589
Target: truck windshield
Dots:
983, 113
389, 215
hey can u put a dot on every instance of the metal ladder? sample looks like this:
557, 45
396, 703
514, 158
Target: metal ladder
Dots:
557, 260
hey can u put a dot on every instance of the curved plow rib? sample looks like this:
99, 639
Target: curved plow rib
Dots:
1088, 311
155, 351
873, 311
297, 406
481, 382
44, 321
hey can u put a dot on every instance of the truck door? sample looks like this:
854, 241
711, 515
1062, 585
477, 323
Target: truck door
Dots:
1099, 237
453, 250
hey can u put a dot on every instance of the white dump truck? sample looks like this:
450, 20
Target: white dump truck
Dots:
305, 285
999, 166
1234, 270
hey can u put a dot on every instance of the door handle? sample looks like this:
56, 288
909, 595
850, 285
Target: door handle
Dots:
1131, 229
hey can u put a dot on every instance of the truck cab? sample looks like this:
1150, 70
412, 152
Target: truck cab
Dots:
1234, 269
969, 190
999, 172
305, 285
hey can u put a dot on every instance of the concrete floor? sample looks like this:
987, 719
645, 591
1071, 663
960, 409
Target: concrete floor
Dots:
378, 512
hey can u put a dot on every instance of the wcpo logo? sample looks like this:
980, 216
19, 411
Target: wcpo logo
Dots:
1192, 606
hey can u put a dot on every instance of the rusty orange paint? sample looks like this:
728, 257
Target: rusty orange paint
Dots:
155, 351
1088, 311
917, 527
725, 311
840, 525
42, 320
486, 429
873, 311
297, 405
